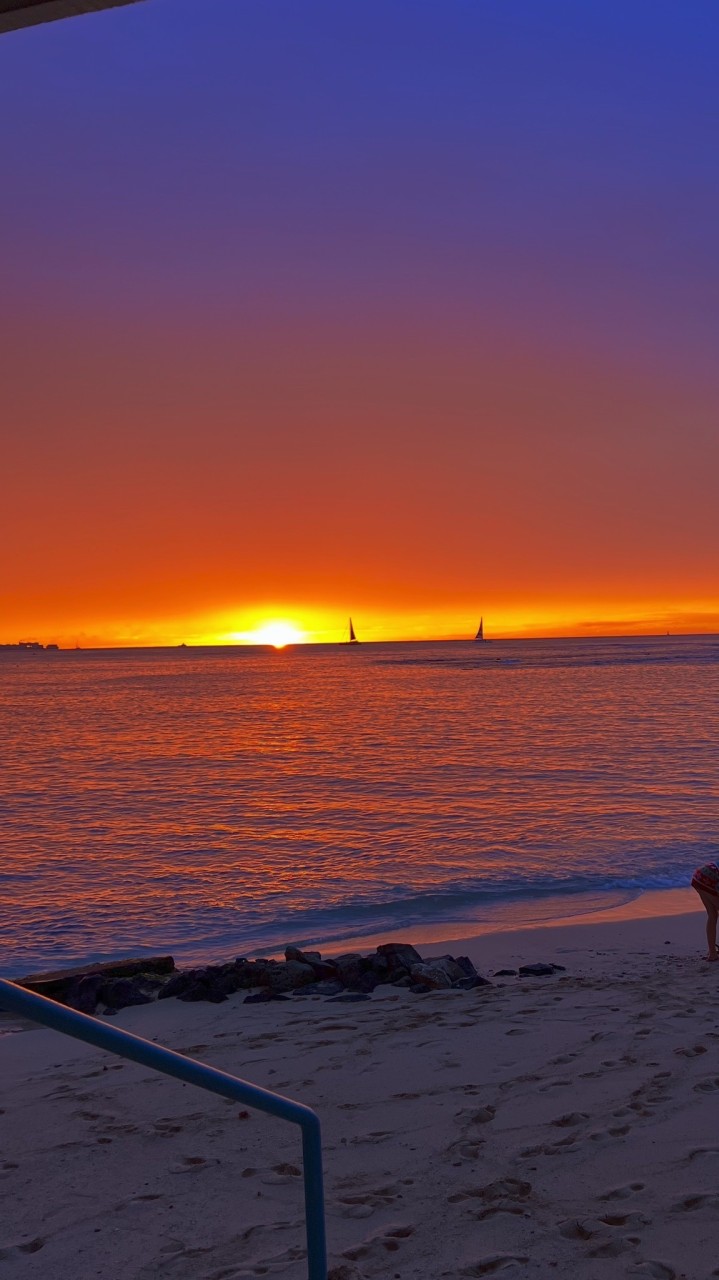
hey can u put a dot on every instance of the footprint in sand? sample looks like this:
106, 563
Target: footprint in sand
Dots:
375, 1247
634, 1220
279, 1262
708, 1200
377, 1135
18, 1250
576, 1229
570, 1120
623, 1193
709, 1085
604, 1244
562, 1083
280, 1174
657, 1270
615, 1131
191, 1164
562, 1147
527, 1078
694, 1051
481, 1115
363, 1204
465, 1149
504, 1195
493, 1263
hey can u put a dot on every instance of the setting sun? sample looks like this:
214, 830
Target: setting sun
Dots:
277, 634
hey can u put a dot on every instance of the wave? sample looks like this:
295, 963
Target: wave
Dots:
526, 899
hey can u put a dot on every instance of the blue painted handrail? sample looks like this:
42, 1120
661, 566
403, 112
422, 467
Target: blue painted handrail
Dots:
26, 1004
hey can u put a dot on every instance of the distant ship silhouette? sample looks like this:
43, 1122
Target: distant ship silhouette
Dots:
352, 639
480, 632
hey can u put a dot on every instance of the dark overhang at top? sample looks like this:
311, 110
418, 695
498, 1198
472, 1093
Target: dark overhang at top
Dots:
26, 13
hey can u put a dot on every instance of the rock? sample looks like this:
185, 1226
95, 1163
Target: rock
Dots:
331, 988
84, 993
324, 970
56, 984
539, 970
264, 997
349, 967
378, 965
304, 957
349, 997
419, 988
178, 984
449, 965
286, 977
365, 983
469, 984
245, 974
200, 991
432, 976
506, 973
404, 981
466, 966
121, 993
400, 957
214, 983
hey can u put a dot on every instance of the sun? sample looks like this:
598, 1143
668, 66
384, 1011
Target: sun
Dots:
278, 634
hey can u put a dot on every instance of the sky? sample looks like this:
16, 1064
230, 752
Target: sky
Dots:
393, 308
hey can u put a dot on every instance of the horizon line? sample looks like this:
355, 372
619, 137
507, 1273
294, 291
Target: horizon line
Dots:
51, 647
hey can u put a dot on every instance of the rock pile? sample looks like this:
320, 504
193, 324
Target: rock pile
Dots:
352, 976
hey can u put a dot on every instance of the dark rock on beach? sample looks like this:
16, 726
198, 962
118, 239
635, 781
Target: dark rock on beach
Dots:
55, 984
121, 993
348, 977
264, 997
111, 986
400, 957
329, 988
539, 970
83, 993
349, 967
178, 984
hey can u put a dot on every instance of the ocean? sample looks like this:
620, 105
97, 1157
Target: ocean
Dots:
210, 803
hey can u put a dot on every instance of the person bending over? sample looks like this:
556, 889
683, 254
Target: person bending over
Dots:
706, 882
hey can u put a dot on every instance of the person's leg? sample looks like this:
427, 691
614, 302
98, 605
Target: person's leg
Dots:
711, 906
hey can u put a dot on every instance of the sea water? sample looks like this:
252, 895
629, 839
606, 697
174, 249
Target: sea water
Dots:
218, 802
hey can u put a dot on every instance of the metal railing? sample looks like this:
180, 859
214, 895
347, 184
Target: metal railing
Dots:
26, 1004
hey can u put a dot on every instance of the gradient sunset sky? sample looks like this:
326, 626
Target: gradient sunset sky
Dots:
395, 308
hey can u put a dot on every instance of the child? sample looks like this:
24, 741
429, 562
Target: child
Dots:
706, 882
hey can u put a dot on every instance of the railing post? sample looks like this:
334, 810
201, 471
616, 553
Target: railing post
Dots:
314, 1200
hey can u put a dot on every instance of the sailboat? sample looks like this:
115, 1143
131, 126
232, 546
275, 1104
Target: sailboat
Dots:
352, 637
480, 631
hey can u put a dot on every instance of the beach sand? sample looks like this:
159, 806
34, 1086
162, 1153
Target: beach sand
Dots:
564, 1126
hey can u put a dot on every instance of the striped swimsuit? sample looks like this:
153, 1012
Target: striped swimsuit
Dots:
706, 879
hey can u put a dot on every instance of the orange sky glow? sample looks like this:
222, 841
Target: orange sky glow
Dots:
287, 351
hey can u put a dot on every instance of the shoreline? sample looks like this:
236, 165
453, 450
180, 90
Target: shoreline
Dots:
653, 919
647, 903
